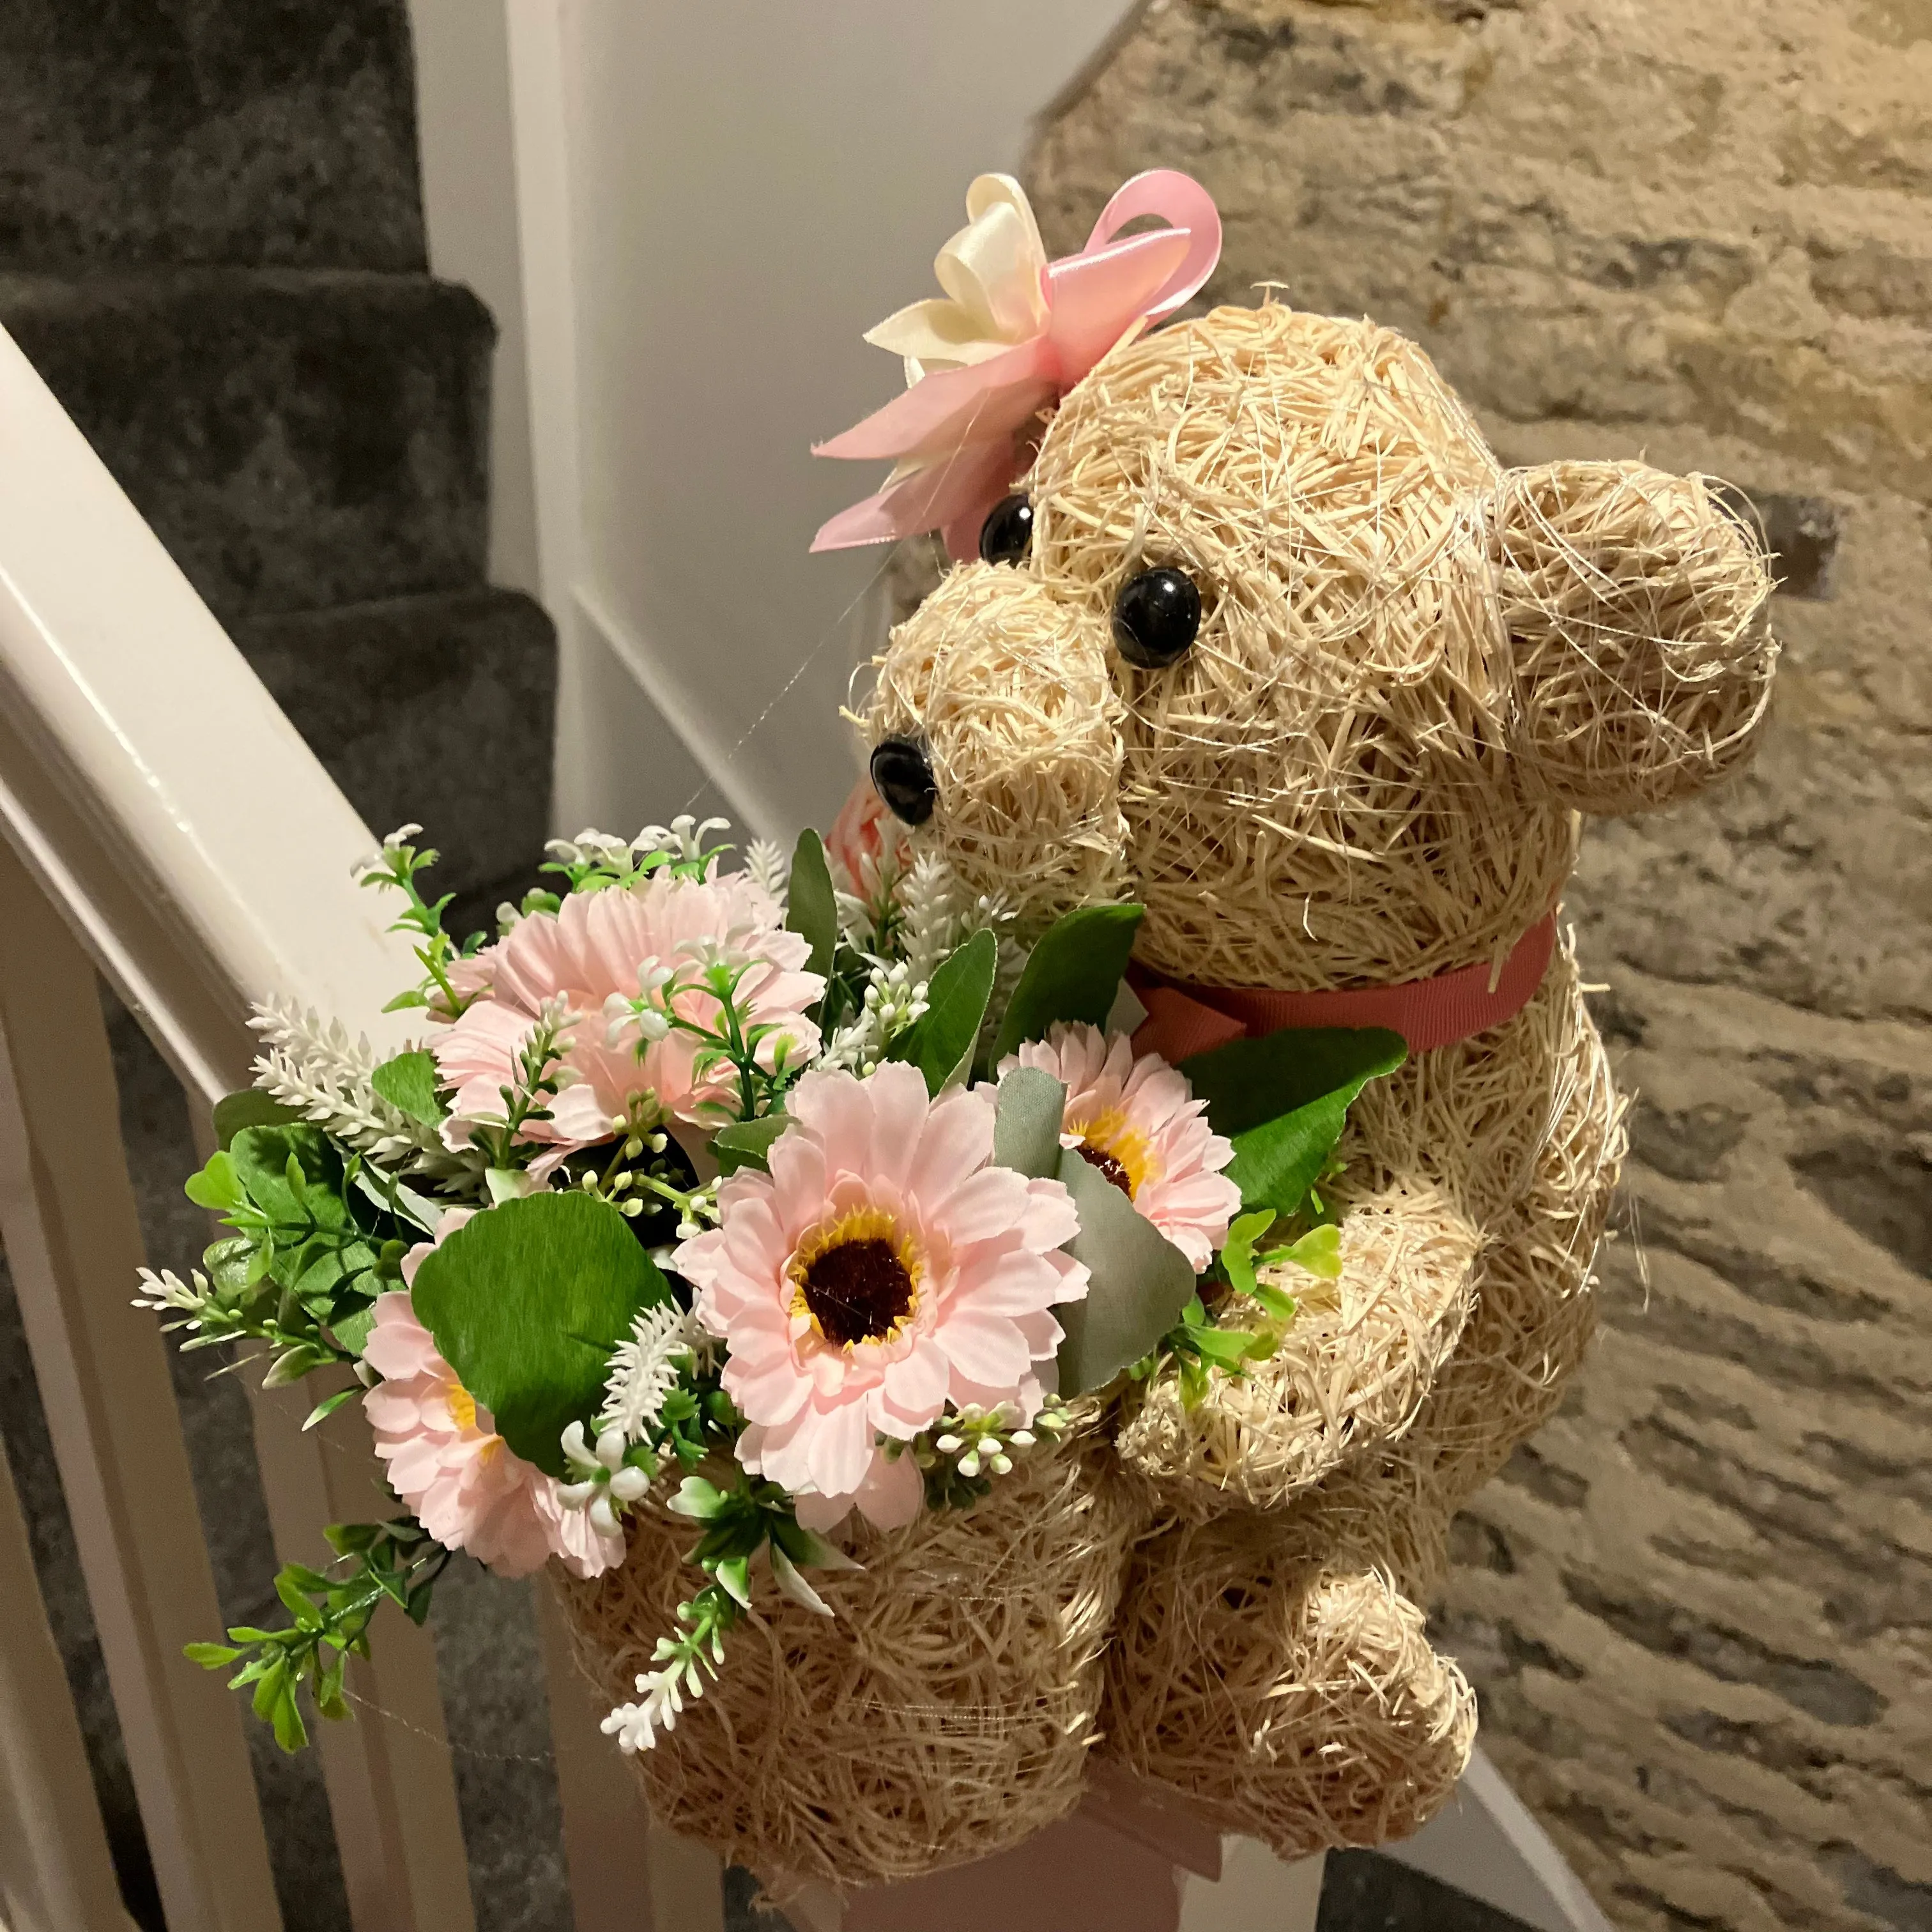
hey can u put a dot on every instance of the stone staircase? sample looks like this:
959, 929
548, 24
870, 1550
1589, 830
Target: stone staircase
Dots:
212, 247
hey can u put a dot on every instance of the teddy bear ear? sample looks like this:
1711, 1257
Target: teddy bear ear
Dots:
1634, 603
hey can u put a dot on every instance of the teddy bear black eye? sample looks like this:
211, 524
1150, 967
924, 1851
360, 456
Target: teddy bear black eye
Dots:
1155, 617
902, 776
1007, 535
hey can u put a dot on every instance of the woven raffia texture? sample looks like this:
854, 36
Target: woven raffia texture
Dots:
1414, 671
1360, 1357
1281, 1676
1022, 724
1633, 610
1317, 1713
944, 1713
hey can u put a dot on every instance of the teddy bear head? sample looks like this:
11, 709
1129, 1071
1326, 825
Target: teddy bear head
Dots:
1268, 641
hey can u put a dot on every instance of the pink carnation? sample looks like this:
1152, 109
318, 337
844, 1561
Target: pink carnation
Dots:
881, 1270
468, 1488
1137, 1121
598, 944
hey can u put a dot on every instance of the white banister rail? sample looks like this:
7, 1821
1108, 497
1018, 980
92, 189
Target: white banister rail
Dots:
147, 777
165, 824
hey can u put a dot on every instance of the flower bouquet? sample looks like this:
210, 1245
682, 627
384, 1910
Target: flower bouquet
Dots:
773, 1252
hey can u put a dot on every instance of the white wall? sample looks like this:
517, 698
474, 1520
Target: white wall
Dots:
470, 210
723, 197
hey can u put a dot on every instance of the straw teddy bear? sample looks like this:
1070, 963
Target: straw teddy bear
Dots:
1267, 641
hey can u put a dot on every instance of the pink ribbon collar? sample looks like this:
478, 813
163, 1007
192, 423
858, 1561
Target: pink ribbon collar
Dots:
955, 434
1182, 1021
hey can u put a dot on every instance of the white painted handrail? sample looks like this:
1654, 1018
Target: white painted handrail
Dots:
165, 824
148, 777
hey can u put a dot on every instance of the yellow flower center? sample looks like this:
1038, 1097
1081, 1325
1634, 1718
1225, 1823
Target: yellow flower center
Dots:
1120, 1151
857, 1278
462, 1405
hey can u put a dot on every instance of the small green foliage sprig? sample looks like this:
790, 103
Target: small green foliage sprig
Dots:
398, 1560
526, 1098
594, 862
394, 869
698, 1419
753, 1517
960, 1455
734, 1039
312, 1248
1204, 1341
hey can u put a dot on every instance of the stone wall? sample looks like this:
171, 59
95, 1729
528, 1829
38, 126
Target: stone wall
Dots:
1699, 1608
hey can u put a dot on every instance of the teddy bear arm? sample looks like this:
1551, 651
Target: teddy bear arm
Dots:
1633, 602
1353, 1369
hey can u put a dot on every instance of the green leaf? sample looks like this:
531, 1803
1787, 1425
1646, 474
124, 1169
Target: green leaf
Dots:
409, 1083
329, 1405
1319, 1251
747, 1143
210, 1656
1141, 1282
329, 1701
527, 1302
289, 1589
1030, 1107
940, 1042
735, 1574
353, 1331
217, 1187
1284, 1099
812, 911
268, 1687
1073, 973
1230, 1347
250, 1108
1250, 1082
264, 1158
1272, 1302
383, 1190
291, 1733
1237, 1251
698, 1499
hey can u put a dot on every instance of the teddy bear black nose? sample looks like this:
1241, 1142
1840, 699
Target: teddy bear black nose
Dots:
1007, 535
902, 776
1156, 616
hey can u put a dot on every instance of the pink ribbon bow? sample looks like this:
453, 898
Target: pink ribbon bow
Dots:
955, 434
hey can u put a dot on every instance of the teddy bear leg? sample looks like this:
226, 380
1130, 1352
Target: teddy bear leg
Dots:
1299, 1703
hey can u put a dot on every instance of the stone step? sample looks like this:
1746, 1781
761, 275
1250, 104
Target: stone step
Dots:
231, 130
297, 438
438, 710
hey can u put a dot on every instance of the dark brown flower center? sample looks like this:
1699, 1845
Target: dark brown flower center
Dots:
1099, 1159
857, 1290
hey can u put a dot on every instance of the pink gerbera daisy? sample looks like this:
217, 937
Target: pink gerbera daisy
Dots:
617, 941
467, 1487
881, 1270
1137, 1121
